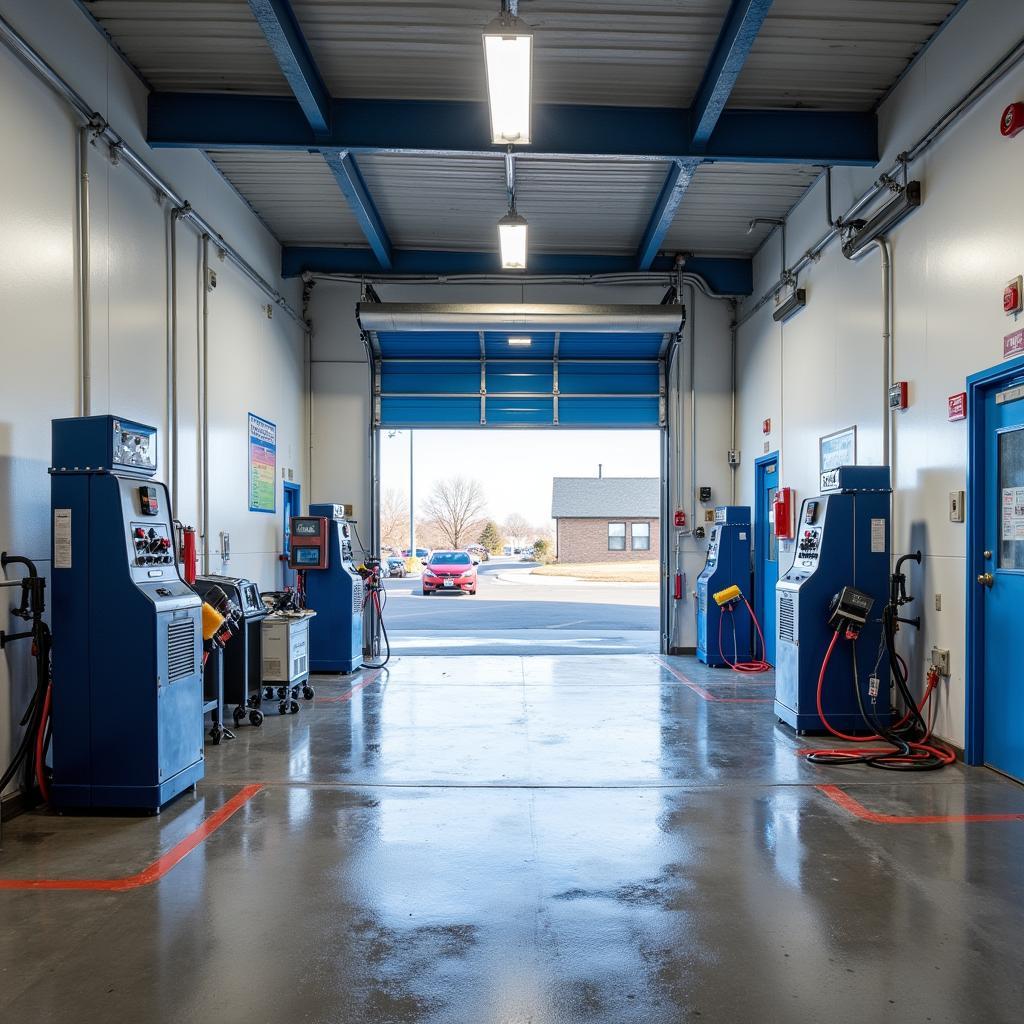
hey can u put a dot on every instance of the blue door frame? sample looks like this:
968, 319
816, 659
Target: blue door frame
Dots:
760, 540
291, 505
979, 387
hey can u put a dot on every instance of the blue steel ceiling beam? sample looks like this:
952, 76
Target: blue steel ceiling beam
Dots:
346, 174
679, 176
280, 27
735, 41
230, 121
724, 276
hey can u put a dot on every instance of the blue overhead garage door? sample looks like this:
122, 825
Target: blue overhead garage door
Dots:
519, 366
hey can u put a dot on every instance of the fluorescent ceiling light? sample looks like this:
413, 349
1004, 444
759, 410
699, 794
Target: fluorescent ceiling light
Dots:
520, 341
508, 56
512, 239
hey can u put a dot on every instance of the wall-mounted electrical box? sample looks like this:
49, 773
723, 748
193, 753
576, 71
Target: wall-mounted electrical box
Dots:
898, 395
705, 495
956, 506
734, 457
1013, 296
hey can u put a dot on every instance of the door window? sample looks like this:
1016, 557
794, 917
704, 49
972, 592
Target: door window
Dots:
772, 554
1011, 504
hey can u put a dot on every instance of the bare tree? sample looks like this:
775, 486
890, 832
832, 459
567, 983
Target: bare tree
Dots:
517, 529
454, 508
394, 519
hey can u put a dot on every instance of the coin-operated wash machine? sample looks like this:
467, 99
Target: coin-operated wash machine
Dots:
727, 565
127, 633
321, 547
842, 540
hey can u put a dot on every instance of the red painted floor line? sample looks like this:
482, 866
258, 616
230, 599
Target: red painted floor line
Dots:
371, 677
160, 867
855, 807
707, 694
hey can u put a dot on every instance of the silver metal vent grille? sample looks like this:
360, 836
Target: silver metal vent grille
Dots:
181, 648
357, 595
787, 619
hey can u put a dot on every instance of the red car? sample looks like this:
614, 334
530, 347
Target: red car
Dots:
449, 570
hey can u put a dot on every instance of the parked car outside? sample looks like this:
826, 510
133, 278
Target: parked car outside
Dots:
421, 553
396, 567
479, 552
449, 570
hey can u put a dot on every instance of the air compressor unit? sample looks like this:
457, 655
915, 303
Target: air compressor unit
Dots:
842, 541
727, 565
321, 546
127, 632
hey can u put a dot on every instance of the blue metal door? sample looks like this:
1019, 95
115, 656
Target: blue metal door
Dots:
1001, 580
766, 550
292, 505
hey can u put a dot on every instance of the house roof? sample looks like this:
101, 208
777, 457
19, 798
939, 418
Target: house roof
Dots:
594, 497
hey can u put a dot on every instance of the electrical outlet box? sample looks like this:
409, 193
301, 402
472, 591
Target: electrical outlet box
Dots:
709, 515
734, 457
705, 495
938, 602
940, 660
956, 506
225, 546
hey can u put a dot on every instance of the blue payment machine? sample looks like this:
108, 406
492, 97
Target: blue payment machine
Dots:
127, 633
842, 539
727, 565
335, 592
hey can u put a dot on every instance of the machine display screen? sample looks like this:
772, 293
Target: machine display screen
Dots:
306, 556
811, 513
134, 445
306, 528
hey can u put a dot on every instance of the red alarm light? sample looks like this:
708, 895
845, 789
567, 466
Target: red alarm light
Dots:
1012, 121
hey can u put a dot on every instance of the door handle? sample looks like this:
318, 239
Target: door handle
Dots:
986, 579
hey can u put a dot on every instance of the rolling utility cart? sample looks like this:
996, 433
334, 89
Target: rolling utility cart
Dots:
286, 658
243, 656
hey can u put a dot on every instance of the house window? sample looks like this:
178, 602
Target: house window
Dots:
641, 534
616, 536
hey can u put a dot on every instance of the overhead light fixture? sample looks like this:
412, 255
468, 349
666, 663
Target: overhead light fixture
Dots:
508, 57
520, 342
512, 240
796, 301
908, 200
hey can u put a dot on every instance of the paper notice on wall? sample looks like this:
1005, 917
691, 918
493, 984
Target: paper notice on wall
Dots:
877, 536
62, 538
1013, 513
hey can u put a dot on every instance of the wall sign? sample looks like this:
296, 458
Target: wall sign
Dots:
957, 407
262, 465
1013, 344
838, 449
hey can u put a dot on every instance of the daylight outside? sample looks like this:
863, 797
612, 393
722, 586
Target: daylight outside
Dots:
563, 526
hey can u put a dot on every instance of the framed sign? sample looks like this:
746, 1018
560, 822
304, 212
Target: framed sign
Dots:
262, 465
838, 449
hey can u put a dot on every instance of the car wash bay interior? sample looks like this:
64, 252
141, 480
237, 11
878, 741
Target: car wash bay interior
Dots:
767, 217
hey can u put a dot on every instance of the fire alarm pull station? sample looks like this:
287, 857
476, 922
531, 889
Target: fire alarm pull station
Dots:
1013, 296
898, 395
680, 517
783, 506
1012, 121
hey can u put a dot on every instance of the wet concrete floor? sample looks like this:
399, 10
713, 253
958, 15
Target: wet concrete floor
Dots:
528, 839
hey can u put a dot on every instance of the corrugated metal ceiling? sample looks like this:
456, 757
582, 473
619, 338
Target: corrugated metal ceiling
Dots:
809, 53
722, 200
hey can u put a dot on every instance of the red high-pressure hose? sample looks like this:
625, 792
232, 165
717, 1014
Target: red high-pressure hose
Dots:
922, 749
747, 667
44, 719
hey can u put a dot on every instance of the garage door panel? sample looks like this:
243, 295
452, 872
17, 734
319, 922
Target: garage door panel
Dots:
608, 412
505, 376
520, 412
496, 344
580, 345
608, 378
429, 412
426, 345
426, 378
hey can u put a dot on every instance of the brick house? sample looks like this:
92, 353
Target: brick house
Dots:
606, 519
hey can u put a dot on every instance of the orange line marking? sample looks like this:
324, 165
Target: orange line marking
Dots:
371, 677
855, 807
160, 867
707, 694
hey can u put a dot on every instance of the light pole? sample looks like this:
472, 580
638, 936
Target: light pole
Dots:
412, 505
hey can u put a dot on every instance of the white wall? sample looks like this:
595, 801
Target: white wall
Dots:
340, 406
256, 364
822, 371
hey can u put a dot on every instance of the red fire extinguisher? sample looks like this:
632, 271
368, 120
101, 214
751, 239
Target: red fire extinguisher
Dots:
188, 554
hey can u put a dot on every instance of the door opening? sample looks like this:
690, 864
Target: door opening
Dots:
291, 505
766, 548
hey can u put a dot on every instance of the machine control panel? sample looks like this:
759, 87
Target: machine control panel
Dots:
309, 542
149, 502
152, 544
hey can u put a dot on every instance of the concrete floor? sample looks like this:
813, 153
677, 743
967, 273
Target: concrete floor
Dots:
503, 840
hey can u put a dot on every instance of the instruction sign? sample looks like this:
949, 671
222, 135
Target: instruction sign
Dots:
838, 449
62, 538
262, 465
1013, 344
1013, 513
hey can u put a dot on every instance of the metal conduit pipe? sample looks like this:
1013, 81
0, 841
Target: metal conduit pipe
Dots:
887, 349
204, 392
98, 128
732, 445
84, 274
998, 70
